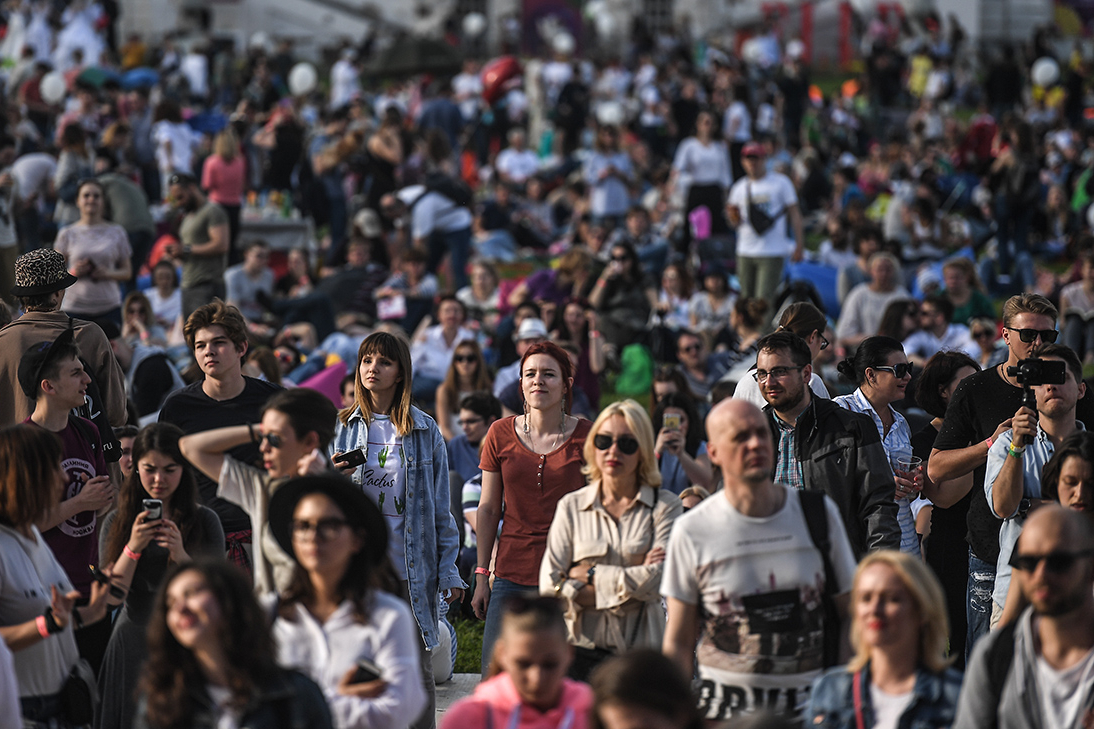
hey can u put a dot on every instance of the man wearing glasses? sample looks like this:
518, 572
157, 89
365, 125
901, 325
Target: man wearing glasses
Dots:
979, 412
1038, 671
822, 447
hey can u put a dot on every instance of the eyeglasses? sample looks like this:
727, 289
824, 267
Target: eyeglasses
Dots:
324, 529
777, 372
1048, 336
628, 445
468, 358
272, 438
901, 370
824, 342
1055, 562
691, 348
469, 421
620, 259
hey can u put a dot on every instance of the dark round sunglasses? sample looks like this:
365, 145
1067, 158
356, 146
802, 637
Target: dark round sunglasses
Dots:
627, 444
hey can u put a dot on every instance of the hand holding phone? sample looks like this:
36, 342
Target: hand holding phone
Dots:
354, 458
154, 507
366, 671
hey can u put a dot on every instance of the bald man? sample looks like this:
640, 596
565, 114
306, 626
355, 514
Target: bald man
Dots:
1039, 672
744, 560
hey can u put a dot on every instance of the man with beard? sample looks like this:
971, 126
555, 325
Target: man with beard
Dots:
822, 447
203, 244
748, 563
1039, 672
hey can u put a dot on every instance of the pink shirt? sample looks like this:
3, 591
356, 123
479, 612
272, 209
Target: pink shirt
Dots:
499, 697
224, 180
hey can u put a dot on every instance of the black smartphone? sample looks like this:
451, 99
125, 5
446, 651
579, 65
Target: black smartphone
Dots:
354, 458
366, 671
154, 507
96, 574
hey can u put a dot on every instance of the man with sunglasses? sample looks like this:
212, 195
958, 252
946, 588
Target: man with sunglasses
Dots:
1039, 672
979, 412
1012, 483
823, 447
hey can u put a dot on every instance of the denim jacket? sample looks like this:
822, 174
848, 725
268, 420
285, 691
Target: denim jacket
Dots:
832, 704
431, 539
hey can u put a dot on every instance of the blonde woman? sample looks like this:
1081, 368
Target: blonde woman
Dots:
900, 675
606, 545
223, 177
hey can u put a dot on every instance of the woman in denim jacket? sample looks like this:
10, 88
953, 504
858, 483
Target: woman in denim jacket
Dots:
899, 676
396, 453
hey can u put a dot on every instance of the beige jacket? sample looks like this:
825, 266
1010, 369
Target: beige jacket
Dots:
583, 530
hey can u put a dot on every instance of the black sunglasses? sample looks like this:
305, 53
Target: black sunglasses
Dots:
983, 333
324, 530
464, 358
824, 342
900, 370
1055, 562
273, 439
620, 259
1048, 336
628, 445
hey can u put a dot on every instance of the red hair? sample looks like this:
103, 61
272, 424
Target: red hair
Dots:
565, 367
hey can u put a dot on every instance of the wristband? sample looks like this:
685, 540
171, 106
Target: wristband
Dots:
991, 439
595, 335
1015, 452
130, 553
51, 622
40, 623
482, 571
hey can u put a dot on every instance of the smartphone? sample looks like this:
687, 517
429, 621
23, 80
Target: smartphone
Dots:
154, 507
671, 421
366, 671
353, 458
116, 592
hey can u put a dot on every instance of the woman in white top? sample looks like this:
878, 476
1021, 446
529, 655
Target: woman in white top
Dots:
335, 614
434, 346
701, 167
606, 544
737, 127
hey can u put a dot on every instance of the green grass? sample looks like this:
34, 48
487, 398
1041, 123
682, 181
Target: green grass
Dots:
469, 644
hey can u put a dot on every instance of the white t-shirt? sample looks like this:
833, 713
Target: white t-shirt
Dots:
182, 146
737, 113
383, 478
519, 166
888, 708
1061, 693
227, 716
773, 193
758, 584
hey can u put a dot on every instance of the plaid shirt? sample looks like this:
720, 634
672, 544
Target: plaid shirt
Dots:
788, 469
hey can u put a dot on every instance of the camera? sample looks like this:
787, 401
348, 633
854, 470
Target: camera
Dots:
1034, 372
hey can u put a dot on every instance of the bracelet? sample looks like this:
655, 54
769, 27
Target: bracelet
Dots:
251, 430
991, 439
40, 623
1015, 452
130, 553
482, 571
595, 335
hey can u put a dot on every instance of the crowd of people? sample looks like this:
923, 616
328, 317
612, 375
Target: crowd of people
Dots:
717, 398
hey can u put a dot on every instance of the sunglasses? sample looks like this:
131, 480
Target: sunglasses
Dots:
899, 370
273, 439
1055, 562
628, 445
620, 259
691, 348
468, 358
324, 529
1048, 336
982, 334
824, 342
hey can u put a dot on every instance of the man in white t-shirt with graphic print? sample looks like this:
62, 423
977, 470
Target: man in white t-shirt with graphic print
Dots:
743, 573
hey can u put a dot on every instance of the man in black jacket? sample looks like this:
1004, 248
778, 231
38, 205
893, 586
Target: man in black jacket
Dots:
822, 447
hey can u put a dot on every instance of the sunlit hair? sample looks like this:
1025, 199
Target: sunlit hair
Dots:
922, 585
394, 348
1028, 304
29, 460
138, 297
226, 145
173, 681
565, 368
648, 471
481, 380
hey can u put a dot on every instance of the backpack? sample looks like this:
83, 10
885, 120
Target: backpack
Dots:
816, 520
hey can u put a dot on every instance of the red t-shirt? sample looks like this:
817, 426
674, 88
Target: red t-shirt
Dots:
532, 485
75, 542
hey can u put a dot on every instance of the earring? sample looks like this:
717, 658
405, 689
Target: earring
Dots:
526, 417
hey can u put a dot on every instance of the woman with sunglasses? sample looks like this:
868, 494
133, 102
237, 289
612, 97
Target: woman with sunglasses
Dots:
882, 372
809, 323
899, 675
545, 441
339, 610
623, 298
993, 350
212, 661
142, 547
466, 374
139, 325
606, 545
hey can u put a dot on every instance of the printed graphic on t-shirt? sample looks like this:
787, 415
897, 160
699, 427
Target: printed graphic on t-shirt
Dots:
381, 473
77, 473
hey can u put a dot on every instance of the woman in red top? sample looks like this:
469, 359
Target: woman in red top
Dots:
529, 461
223, 177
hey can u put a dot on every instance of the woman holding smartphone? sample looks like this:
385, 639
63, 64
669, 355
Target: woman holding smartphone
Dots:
395, 453
142, 545
680, 448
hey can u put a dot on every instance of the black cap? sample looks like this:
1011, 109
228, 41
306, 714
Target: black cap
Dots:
35, 360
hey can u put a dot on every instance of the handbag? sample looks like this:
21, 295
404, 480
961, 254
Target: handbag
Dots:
80, 695
760, 221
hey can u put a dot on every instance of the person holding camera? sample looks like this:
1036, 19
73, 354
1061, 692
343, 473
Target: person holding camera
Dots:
1012, 484
680, 449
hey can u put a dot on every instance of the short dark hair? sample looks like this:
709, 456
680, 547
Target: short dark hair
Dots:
937, 375
942, 304
218, 314
483, 404
789, 342
256, 243
126, 431
872, 352
54, 355
1064, 352
308, 411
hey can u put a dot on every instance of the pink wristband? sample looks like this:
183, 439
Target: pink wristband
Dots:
991, 439
130, 553
40, 623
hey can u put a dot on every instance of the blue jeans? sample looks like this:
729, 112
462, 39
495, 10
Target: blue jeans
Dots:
979, 602
457, 245
502, 590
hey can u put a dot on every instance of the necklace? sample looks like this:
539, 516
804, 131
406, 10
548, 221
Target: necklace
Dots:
532, 436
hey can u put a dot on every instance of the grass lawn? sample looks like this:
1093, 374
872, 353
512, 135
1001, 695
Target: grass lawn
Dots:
469, 644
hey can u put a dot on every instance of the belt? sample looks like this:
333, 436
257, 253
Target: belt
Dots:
40, 708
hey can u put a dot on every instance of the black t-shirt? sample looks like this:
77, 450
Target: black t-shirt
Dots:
194, 411
981, 402
948, 526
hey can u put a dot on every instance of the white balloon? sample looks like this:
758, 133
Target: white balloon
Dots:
1046, 72
605, 25
474, 24
52, 87
261, 39
610, 113
302, 79
751, 50
795, 48
564, 43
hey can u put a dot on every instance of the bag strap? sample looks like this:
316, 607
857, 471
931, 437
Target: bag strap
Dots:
816, 520
1000, 657
856, 692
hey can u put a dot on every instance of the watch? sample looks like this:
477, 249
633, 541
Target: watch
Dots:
1024, 507
589, 575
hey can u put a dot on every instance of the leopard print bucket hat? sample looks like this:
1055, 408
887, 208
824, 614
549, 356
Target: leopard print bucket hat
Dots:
41, 271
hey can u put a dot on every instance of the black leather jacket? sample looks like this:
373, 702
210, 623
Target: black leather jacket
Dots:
841, 454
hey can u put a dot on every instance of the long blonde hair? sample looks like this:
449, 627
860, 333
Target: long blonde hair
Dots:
396, 349
922, 585
226, 144
649, 474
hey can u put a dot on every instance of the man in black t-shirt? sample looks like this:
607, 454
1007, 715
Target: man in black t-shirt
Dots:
217, 335
980, 410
